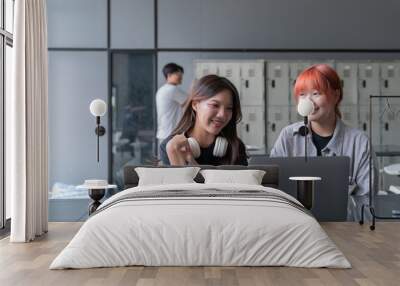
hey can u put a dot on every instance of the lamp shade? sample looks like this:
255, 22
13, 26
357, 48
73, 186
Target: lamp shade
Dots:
305, 107
98, 107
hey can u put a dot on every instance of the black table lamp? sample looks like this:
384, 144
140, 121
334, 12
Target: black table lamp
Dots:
305, 107
98, 108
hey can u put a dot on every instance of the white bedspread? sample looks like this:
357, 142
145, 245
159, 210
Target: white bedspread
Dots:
200, 231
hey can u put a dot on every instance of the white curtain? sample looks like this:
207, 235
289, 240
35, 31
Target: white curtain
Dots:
27, 124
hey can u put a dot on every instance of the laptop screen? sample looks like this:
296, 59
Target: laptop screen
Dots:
330, 193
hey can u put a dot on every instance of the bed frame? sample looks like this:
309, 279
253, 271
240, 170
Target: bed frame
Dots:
270, 179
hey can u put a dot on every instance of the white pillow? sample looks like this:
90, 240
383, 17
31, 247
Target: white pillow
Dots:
249, 177
164, 176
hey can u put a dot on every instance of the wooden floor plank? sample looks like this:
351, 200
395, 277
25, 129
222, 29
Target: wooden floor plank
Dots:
374, 255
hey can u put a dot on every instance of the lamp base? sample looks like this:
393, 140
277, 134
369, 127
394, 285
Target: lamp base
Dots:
96, 195
303, 130
305, 193
100, 130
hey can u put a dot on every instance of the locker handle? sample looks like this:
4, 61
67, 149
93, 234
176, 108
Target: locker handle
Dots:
273, 83
386, 83
365, 126
386, 126
247, 128
273, 127
364, 83
247, 83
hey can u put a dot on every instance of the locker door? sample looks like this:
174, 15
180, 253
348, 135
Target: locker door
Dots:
252, 83
294, 116
198, 69
390, 114
350, 115
348, 73
231, 71
295, 68
278, 83
368, 81
278, 118
331, 63
252, 129
205, 68
364, 122
390, 78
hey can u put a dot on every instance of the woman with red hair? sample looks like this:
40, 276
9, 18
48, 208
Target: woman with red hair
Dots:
328, 135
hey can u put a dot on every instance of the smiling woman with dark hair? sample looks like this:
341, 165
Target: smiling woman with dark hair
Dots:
206, 133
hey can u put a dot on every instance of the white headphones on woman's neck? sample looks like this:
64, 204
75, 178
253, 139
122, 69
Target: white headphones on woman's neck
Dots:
220, 147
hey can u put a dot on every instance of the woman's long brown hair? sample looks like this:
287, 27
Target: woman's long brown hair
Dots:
207, 87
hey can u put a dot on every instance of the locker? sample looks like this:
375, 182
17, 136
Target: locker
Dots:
252, 83
295, 68
294, 116
278, 118
364, 122
390, 117
203, 68
348, 73
327, 62
350, 115
390, 78
252, 129
278, 87
231, 70
368, 81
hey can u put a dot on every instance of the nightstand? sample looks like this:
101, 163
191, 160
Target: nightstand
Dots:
96, 193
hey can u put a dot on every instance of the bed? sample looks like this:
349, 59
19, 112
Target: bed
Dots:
201, 224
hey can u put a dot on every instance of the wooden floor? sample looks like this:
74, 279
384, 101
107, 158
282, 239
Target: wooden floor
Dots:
374, 255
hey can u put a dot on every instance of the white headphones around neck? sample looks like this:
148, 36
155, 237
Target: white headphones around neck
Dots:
220, 147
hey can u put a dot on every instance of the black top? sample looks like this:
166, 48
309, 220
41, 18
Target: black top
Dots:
320, 142
206, 156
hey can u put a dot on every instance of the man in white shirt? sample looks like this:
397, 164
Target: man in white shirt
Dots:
169, 99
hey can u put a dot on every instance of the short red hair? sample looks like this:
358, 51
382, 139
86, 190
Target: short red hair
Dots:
323, 78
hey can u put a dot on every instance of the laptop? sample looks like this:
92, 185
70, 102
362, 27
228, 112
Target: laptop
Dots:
330, 193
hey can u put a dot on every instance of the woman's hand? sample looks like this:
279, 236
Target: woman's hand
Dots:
178, 151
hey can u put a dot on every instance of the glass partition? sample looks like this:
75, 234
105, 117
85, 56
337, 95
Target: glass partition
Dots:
132, 100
